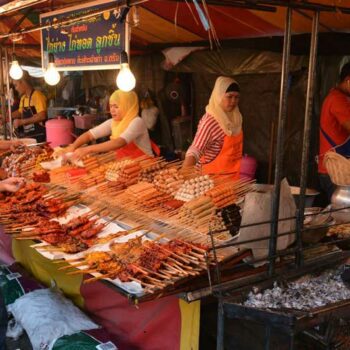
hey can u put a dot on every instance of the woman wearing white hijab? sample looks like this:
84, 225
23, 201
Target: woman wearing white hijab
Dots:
218, 143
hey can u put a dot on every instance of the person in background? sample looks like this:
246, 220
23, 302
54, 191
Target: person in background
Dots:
14, 98
335, 126
31, 115
128, 132
10, 185
149, 114
218, 143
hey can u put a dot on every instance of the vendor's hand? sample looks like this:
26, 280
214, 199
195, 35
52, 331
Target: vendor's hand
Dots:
17, 123
68, 149
65, 153
11, 184
80, 153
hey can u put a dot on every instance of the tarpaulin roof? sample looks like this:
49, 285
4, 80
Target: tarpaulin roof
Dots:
165, 22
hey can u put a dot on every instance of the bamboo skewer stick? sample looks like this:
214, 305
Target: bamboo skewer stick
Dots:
97, 278
70, 266
79, 272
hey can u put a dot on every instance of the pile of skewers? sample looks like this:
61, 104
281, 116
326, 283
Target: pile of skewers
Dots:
197, 212
58, 176
44, 156
91, 172
168, 180
23, 159
28, 193
92, 178
228, 192
129, 174
150, 169
75, 236
114, 169
146, 195
90, 163
153, 264
129, 171
31, 201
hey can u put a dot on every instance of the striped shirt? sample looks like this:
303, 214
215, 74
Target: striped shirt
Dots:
208, 141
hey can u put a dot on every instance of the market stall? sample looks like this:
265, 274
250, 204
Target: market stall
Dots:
141, 226
117, 221
106, 214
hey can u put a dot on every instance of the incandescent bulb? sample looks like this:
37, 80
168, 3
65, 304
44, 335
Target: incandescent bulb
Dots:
125, 80
51, 76
16, 71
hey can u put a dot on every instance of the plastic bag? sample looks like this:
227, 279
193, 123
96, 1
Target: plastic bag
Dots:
47, 315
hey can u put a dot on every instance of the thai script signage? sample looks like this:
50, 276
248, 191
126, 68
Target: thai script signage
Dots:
86, 44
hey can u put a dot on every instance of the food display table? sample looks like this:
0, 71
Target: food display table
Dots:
166, 323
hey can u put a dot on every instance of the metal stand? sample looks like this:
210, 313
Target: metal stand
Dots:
290, 325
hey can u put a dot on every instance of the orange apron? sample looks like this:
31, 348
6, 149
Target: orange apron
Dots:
131, 150
228, 161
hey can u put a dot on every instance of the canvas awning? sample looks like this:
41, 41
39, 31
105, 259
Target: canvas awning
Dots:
166, 22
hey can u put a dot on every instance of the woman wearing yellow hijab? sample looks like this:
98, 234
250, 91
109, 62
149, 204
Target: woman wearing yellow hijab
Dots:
128, 132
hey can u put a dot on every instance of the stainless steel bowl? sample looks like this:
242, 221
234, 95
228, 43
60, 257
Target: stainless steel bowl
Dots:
341, 199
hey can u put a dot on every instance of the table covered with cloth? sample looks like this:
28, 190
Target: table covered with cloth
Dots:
167, 323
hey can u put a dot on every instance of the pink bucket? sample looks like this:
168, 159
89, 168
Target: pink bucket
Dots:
59, 132
248, 167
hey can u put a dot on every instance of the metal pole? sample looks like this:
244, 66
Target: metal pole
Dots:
267, 337
220, 340
6, 69
2, 93
306, 138
220, 334
280, 141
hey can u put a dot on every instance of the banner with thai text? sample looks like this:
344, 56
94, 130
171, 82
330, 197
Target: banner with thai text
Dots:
87, 42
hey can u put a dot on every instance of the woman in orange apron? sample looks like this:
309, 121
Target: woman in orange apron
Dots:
127, 131
218, 144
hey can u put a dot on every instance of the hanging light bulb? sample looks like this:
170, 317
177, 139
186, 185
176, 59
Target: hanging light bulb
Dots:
16, 71
125, 80
51, 76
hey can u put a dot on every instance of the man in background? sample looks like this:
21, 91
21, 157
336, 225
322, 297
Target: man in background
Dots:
335, 126
31, 115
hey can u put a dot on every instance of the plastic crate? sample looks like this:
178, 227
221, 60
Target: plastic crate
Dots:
85, 121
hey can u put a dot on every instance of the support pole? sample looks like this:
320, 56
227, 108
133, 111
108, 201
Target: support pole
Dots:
220, 334
2, 93
282, 113
6, 69
306, 138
